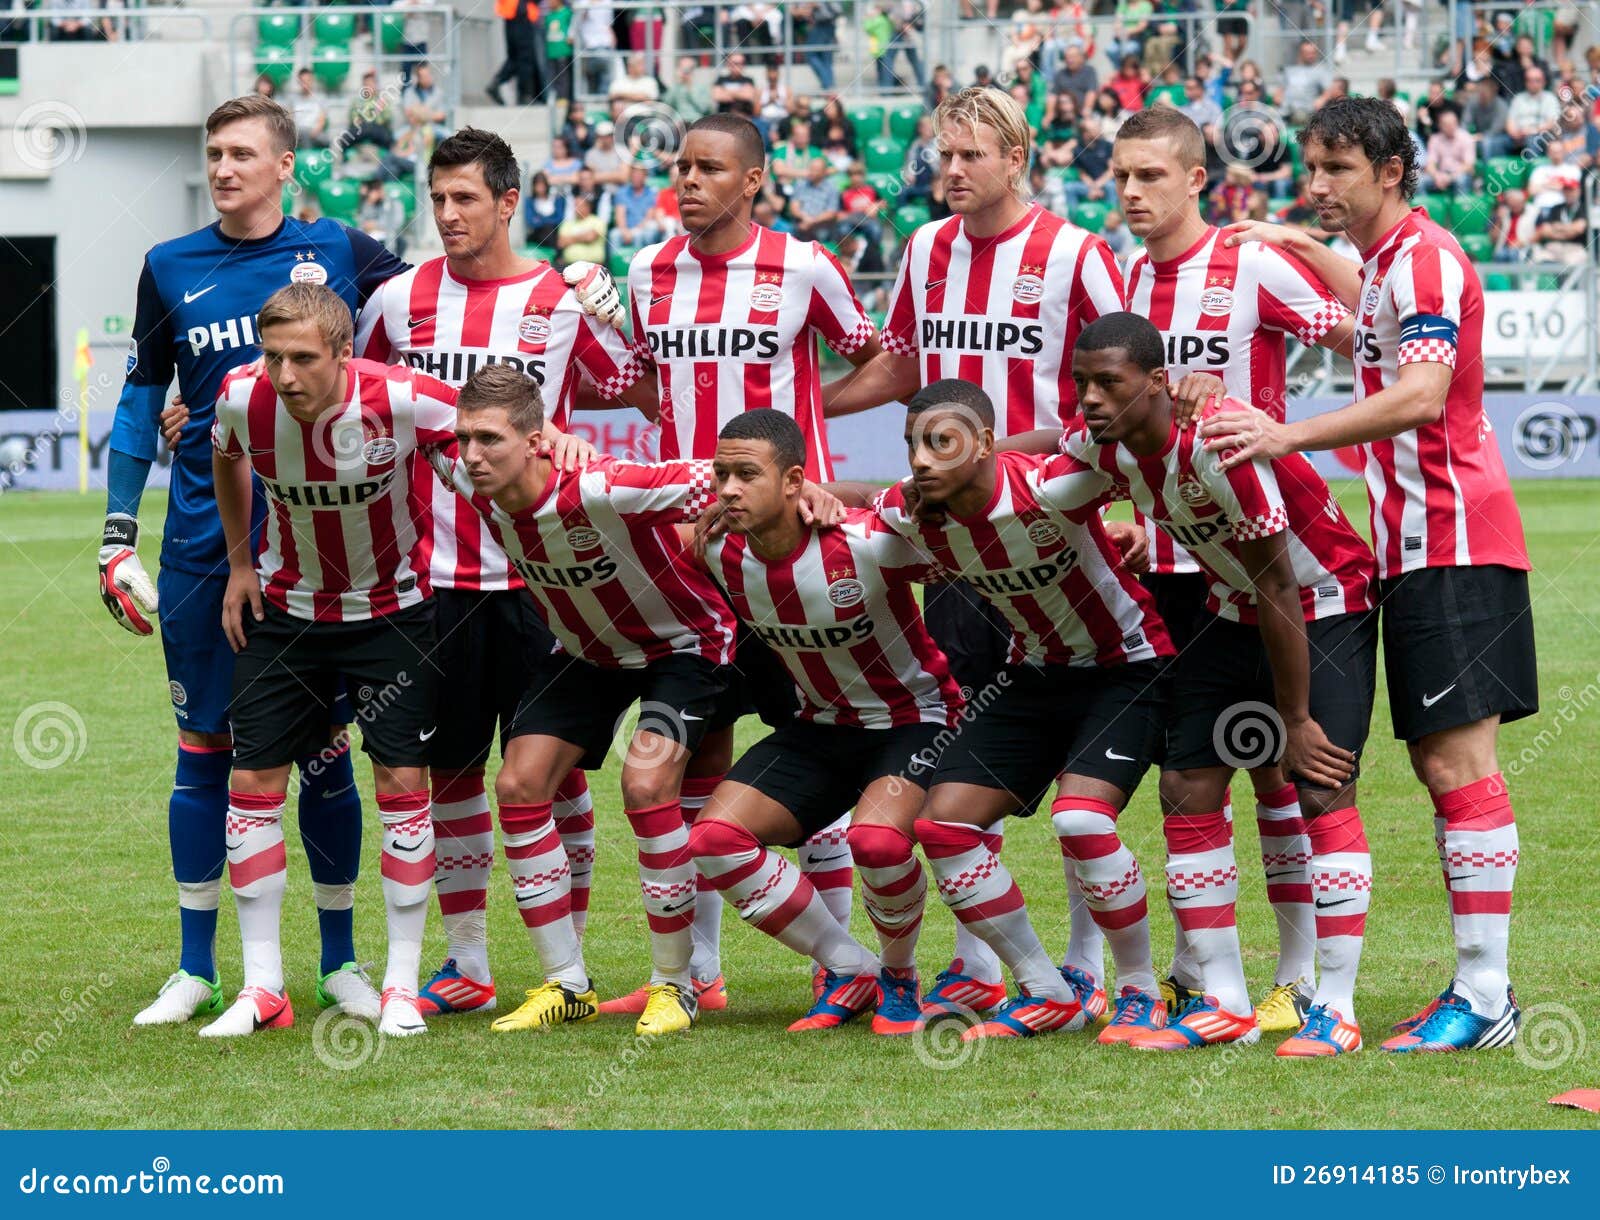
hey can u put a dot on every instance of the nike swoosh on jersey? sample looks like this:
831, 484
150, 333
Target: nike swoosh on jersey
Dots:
932, 284
664, 297
413, 323
190, 297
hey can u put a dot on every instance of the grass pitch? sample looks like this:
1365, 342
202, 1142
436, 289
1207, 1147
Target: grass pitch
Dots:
90, 932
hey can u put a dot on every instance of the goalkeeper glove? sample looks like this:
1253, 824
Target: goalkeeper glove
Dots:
125, 587
596, 291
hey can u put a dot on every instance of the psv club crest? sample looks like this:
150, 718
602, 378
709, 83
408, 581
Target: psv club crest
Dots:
844, 590
306, 269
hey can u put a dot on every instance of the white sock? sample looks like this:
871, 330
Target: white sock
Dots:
1203, 888
541, 883
705, 963
1286, 866
464, 847
1107, 877
409, 864
258, 873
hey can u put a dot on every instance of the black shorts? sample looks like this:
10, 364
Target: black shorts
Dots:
287, 681
1235, 26
1180, 599
974, 636
1458, 648
584, 704
1223, 697
1105, 722
757, 684
818, 771
490, 643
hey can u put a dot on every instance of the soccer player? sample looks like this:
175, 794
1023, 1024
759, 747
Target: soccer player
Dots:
1453, 566
728, 316
637, 621
483, 303
1290, 625
877, 700
1223, 309
196, 317
331, 594
993, 295
1082, 702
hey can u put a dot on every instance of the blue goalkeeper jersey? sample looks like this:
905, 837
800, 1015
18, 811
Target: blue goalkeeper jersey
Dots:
196, 316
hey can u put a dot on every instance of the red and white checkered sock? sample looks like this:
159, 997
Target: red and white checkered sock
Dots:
1341, 889
1100, 866
978, 961
541, 883
771, 894
408, 865
258, 873
893, 889
666, 880
1286, 864
1184, 967
706, 962
1203, 890
982, 894
1481, 851
574, 814
463, 830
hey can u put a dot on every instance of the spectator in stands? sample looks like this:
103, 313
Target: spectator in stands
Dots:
558, 50
581, 237
1480, 66
922, 161
1214, 79
1561, 233
820, 22
1230, 199
635, 84
310, 115
634, 221
604, 158
1129, 31
942, 85
1076, 76
792, 157
908, 18
861, 206
1233, 25
982, 78
686, 99
77, 23
1514, 73
1129, 84
1205, 112
1028, 25
1347, 12
1059, 134
1248, 71
862, 260
414, 35
1109, 109
597, 40
839, 148
774, 103
753, 25
1307, 83
814, 204
598, 194
1047, 190
543, 210
1094, 184
1452, 155
521, 21
371, 115
1273, 168
1389, 92
577, 130
1427, 116
1533, 116
265, 86
423, 104
382, 217
1485, 117
1033, 83
563, 164
735, 92
769, 217
1509, 226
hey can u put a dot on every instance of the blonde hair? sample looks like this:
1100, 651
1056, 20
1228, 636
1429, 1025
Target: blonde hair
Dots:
980, 104
309, 302
280, 123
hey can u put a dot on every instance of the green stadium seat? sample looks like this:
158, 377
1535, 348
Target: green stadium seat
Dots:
391, 32
313, 167
1437, 207
867, 121
1479, 247
334, 28
1090, 215
903, 121
340, 199
544, 253
1548, 283
888, 186
1505, 173
405, 191
619, 261
291, 197
330, 65
276, 64
1496, 282
1469, 214
841, 180
884, 156
1063, 173
277, 30
909, 217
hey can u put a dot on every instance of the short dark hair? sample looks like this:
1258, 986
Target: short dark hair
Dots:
1130, 332
752, 148
473, 146
777, 429
1370, 124
1166, 122
503, 385
964, 396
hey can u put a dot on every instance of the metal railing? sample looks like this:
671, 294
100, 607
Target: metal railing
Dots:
131, 23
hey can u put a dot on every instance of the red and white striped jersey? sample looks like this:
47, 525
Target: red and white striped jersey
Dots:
447, 327
1227, 311
1440, 496
732, 332
841, 615
1042, 557
600, 557
1185, 491
342, 528
1003, 312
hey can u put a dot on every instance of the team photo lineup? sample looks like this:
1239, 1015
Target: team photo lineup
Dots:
1107, 557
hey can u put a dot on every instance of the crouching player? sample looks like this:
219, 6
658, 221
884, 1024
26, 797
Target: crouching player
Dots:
835, 604
332, 594
1291, 594
636, 621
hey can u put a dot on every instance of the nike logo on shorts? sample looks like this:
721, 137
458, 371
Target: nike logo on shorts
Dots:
424, 736
1115, 757
1430, 700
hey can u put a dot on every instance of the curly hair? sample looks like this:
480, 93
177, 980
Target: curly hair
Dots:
1370, 124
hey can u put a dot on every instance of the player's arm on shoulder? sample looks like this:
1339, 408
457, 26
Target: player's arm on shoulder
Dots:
1342, 276
1072, 486
1038, 441
853, 494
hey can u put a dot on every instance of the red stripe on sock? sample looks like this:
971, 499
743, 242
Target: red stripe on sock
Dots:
573, 786
403, 802
266, 862
479, 822
1008, 902
1480, 902
831, 879
1277, 894
1341, 925
1338, 830
657, 821
1484, 805
1279, 797
521, 819
1194, 919
256, 802
459, 902
449, 787
407, 871
1122, 917
1189, 834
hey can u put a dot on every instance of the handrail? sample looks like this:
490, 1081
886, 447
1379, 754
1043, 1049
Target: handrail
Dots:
128, 21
